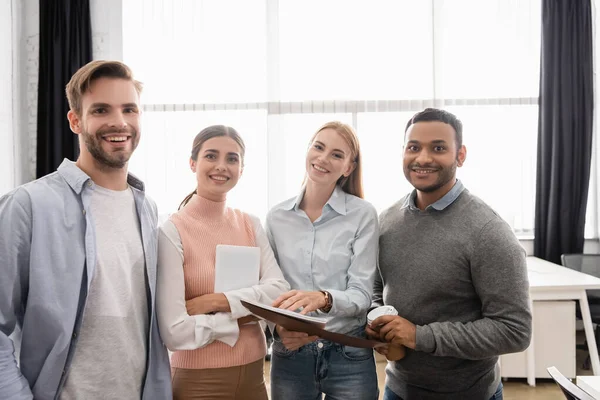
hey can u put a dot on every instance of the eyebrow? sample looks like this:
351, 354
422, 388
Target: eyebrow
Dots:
106, 105
231, 153
323, 144
98, 105
438, 141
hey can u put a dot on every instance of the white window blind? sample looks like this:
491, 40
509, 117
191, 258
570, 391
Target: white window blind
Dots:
277, 69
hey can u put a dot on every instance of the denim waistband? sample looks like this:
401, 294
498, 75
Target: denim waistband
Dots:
323, 344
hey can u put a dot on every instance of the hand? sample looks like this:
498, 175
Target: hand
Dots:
293, 340
208, 303
392, 352
294, 299
246, 320
372, 332
396, 330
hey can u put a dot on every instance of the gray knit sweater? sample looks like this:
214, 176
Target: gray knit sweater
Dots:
459, 274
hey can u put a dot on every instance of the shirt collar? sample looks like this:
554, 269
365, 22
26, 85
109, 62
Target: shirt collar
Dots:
337, 201
442, 203
76, 178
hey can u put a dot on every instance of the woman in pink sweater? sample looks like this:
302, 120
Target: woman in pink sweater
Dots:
218, 347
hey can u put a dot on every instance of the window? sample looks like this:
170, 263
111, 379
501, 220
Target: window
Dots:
276, 70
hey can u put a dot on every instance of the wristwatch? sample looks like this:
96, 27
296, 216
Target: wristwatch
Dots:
328, 302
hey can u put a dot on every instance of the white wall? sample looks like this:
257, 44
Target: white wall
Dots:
6, 98
107, 29
19, 44
10, 26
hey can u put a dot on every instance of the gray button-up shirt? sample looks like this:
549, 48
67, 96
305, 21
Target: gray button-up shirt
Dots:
47, 261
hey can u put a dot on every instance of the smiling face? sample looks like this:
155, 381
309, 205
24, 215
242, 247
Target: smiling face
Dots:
109, 124
431, 156
218, 167
329, 158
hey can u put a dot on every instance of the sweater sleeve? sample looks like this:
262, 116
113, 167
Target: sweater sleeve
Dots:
178, 329
377, 299
499, 274
271, 281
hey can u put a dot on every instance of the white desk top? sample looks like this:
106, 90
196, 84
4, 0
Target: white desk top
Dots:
544, 275
590, 384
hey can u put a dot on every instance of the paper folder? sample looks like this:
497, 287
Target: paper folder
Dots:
298, 324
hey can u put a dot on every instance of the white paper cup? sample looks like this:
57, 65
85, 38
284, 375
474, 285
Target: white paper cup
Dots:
379, 312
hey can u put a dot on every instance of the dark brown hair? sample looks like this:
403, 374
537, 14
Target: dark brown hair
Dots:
209, 133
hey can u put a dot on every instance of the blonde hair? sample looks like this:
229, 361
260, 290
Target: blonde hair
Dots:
209, 133
82, 79
351, 184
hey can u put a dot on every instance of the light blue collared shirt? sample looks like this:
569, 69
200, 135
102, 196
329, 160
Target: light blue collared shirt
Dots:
336, 253
439, 205
47, 261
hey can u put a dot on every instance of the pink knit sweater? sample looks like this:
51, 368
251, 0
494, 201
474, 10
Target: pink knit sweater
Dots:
202, 225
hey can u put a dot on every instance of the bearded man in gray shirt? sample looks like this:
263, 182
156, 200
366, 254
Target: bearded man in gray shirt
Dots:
454, 271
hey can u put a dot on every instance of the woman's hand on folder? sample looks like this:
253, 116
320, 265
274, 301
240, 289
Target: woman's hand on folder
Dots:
293, 340
295, 299
208, 303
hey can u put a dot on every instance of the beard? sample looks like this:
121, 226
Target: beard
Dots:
115, 160
445, 175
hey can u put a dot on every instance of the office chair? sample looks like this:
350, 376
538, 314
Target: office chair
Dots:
569, 389
588, 264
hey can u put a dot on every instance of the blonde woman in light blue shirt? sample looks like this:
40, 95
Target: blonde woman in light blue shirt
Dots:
325, 241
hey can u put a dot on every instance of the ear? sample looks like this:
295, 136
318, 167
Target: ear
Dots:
349, 170
461, 156
74, 122
192, 165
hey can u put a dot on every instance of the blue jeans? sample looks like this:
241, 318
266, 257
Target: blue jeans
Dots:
389, 395
339, 372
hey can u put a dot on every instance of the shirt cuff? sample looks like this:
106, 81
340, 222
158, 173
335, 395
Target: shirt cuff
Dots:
425, 340
339, 302
237, 309
225, 329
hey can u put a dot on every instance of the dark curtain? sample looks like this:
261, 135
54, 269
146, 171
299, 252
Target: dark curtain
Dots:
565, 128
65, 46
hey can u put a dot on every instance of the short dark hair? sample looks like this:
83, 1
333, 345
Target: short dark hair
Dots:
435, 114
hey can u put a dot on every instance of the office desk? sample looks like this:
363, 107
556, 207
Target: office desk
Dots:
549, 281
590, 384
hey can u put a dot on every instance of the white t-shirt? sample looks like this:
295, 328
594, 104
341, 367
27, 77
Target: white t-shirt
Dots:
109, 361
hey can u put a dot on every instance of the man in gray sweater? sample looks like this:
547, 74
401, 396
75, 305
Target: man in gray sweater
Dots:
455, 272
